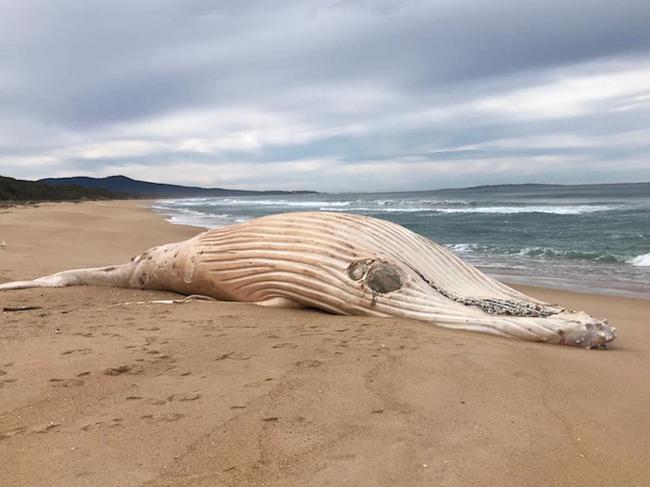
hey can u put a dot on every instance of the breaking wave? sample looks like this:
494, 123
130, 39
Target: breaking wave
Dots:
445, 208
551, 253
183, 216
603, 257
641, 260
387, 206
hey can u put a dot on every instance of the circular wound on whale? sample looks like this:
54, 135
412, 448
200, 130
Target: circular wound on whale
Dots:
383, 278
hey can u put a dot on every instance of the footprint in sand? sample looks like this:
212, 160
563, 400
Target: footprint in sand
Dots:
16, 431
80, 351
44, 428
233, 356
56, 382
5, 382
112, 423
162, 418
164, 359
183, 397
309, 363
123, 369
155, 402
285, 345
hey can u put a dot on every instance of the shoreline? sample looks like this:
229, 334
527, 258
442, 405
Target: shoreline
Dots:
222, 393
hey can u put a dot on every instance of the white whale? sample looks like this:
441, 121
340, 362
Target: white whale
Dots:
344, 264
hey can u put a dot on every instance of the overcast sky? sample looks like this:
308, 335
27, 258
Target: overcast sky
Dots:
329, 95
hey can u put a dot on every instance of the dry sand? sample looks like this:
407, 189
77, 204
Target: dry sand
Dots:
95, 391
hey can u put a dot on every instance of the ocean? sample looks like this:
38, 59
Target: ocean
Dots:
593, 238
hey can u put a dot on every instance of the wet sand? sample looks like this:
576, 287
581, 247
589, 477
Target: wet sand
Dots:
99, 387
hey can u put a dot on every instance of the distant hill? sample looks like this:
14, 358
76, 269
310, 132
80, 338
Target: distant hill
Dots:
513, 186
145, 189
631, 190
19, 190
546, 186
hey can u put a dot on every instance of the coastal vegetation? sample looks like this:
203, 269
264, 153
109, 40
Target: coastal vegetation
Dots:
19, 190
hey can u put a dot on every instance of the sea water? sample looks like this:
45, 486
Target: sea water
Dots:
592, 238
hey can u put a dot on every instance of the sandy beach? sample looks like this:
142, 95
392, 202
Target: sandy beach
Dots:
100, 387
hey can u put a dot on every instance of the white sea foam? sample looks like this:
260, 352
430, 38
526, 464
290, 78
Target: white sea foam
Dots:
266, 202
557, 210
641, 260
461, 247
184, 216
384, 205
367, 209
368, 204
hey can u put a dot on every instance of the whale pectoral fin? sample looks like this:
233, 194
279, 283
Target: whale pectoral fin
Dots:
117, 276
11, 286
279, 302
54, 280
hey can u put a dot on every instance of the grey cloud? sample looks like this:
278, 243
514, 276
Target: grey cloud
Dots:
74, 73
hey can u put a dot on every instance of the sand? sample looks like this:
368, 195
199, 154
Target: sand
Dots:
99, 388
